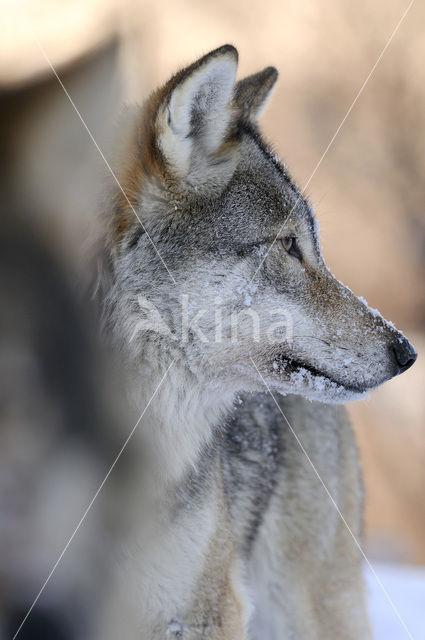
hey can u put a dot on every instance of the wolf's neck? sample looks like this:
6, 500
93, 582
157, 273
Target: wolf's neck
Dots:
179, 418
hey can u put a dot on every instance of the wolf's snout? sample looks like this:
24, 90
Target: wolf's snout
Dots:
404, 354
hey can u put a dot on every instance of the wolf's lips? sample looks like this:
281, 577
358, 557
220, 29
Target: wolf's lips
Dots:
295, 368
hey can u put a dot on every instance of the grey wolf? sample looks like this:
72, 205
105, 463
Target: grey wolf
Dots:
232, 536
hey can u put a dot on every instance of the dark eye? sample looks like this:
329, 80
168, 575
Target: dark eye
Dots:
290, 245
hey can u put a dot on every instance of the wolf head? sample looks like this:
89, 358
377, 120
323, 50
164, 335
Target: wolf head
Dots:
214, 254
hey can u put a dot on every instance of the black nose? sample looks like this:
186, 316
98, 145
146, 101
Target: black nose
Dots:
405, 354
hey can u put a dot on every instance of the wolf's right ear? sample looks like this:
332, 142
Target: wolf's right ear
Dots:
195, 112
253, 92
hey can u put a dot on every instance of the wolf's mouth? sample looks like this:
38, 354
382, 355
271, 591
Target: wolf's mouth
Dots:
302, 372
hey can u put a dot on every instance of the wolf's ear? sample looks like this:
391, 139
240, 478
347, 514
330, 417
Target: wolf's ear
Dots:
253, 92
195, 112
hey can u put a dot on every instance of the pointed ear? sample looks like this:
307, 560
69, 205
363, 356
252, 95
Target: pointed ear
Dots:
253, 92
195, 112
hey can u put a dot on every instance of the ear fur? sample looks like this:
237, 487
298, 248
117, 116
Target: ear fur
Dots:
186, 135
253, 92
195, 113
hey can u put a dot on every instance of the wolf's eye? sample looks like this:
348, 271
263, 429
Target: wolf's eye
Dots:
291, 246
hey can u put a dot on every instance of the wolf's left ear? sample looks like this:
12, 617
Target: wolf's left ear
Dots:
253, 92
195, 112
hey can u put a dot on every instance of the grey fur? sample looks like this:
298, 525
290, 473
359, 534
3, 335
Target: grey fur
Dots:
242, 523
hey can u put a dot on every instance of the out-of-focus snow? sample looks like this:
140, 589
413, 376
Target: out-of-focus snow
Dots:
406, 588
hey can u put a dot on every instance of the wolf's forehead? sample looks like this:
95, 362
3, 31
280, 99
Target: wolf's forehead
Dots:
262, 197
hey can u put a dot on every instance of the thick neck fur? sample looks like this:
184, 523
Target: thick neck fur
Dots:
181, 417
181, 409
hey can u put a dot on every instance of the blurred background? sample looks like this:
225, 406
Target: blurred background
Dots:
369, 196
